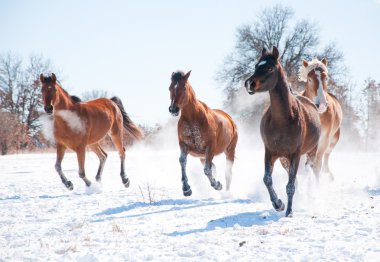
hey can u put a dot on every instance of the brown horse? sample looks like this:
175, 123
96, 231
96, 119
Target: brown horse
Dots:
78, 125
202, 132
289, 127
315, 74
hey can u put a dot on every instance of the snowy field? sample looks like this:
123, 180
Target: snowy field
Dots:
152, 221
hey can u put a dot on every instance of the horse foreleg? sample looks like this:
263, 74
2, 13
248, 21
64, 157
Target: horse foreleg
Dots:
81, 155
290, 187
326, 157
60, 154
269, 162
186, 189
102, 155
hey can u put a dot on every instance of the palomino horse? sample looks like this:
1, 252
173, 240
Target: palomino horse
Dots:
315, 74
289, 127
77, 125
202, 132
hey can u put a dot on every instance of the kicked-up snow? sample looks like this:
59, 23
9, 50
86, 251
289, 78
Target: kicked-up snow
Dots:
152, 221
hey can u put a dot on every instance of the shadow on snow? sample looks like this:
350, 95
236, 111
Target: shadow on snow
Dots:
177, 204
247, 219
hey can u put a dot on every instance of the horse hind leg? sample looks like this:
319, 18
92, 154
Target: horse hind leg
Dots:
102, 155
210, 172
230, 158
117, 139
60, 154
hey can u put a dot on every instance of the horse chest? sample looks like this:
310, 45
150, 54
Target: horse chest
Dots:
192, 136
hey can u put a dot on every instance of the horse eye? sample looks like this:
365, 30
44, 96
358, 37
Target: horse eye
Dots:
270, 69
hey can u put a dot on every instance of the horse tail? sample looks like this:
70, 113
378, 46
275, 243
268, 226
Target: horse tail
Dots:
128, 124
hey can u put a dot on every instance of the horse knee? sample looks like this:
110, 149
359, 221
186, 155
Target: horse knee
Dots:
290, 189
182, 160
58, 167
267, 180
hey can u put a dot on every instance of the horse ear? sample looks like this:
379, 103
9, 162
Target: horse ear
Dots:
275, 52
324, 61
42, 78
186, 77
305, 63
53, 77
264, 51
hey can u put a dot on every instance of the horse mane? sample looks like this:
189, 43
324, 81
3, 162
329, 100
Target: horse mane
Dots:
176, 76
313, 64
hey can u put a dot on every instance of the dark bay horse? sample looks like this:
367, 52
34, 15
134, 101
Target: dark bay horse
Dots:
289, 127
315, 74
202, 132
78, 125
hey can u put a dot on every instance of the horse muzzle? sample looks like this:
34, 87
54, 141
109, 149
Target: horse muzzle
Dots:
48, 109
250, 86
174, 110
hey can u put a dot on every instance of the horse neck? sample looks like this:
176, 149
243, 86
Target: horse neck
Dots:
281, 100
64, 101
192, 107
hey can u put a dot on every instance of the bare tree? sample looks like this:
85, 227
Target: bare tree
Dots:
10, 132
93, 94
371, 95
297, 40
20, 92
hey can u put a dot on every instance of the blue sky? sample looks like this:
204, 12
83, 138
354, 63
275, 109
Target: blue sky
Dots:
130, 48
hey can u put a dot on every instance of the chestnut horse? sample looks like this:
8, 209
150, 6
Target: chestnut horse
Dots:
290, 126
78, 125
202, 132
315, 74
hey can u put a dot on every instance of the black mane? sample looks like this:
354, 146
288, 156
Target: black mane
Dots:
75, 99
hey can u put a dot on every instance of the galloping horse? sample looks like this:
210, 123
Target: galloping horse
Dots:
202, 132
315, 74
78, 124
289, 127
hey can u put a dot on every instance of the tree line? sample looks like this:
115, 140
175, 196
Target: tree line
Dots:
21, 104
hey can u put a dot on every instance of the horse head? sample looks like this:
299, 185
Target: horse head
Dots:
178, 91
266, 72
315, 74
49, 92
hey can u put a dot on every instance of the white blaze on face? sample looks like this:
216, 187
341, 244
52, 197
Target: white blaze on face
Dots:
321, 97
262, 63
73, 120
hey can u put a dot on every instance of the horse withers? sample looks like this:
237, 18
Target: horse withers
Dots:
202, 132
315, 74
80, 124
290, 126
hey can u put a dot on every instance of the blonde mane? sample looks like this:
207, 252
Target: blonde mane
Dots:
313, 64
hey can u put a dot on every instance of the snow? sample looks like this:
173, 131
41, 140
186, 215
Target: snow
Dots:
152, 221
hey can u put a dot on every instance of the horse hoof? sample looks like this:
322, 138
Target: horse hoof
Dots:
98, 179
126, 182
218, 186
187, 192
69, 185
289, 213
279, 206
